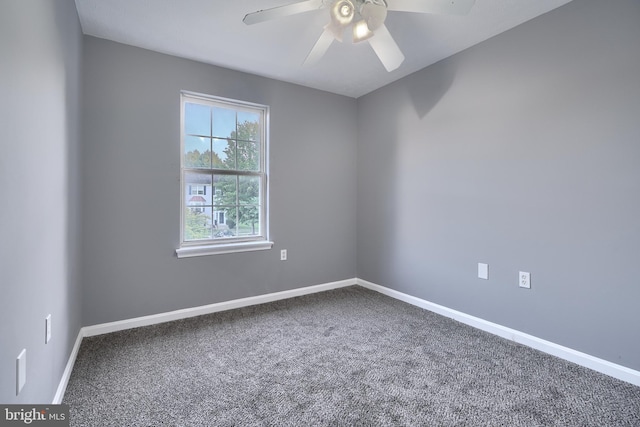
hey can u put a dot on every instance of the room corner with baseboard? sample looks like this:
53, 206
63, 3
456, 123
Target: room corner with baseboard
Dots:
585, 360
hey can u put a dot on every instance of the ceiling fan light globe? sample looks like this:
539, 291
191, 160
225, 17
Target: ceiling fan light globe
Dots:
361, 31
374, 14
342, 12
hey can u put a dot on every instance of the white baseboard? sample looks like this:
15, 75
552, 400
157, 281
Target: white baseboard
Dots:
600, 365
62, 386
154, 319
121, 325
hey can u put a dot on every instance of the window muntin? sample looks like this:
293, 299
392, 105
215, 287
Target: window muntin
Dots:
223, 171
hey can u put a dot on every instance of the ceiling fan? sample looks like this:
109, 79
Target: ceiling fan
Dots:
366, 19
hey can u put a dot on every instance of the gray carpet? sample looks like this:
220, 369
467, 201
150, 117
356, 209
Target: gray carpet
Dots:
348, 357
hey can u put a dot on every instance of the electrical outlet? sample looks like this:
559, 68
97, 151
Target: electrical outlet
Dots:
283, 255
21, 370
525, 280
483, 271
47, 329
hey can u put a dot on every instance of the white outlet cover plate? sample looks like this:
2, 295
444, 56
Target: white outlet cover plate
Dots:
483, 271
525, 279
21, 370
47, 329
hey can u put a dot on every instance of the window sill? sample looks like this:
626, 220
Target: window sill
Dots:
192, 251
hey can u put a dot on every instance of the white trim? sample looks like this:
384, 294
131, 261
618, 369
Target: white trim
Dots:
154, 319
600, 365
62, 386
583, 359
191, 251
105, 328
211, 246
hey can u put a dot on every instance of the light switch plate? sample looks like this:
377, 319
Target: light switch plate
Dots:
483, 271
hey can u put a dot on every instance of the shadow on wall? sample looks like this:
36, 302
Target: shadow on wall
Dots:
412, 175
392, 163
426, 91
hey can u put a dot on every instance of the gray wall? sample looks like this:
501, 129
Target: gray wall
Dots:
131, 173
40, 51
522, 152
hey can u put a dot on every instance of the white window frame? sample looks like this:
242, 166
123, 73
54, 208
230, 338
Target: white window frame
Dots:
191, 248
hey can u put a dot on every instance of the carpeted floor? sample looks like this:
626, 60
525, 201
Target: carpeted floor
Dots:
348, 357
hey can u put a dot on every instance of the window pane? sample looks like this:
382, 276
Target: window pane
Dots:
198, 223
249, 190
248, 126
224, 122
248, 221
197, 119
224, 222
224, 154
197, 191
197, 152
225, 190
248, 156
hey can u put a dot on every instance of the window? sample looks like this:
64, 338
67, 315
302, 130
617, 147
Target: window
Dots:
223, 176
197, 189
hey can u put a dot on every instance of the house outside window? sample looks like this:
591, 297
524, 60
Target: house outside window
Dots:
223, 176
198, 189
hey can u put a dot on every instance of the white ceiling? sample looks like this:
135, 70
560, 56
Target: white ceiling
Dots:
212, 31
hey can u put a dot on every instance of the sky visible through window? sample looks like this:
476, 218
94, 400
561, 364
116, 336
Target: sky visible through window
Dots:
208, 128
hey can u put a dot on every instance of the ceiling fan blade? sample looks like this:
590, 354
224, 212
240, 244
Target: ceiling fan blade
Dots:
320, 48
386, 48
446, 7
281, 11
